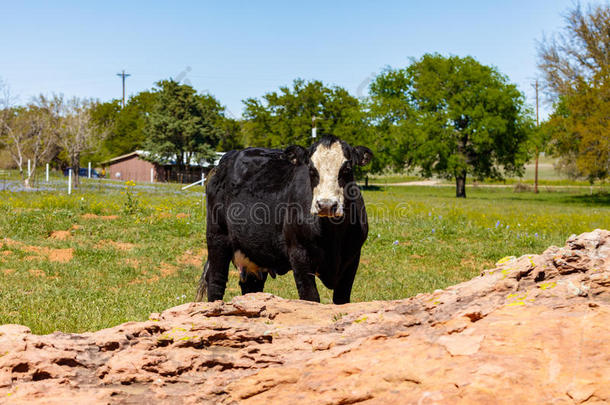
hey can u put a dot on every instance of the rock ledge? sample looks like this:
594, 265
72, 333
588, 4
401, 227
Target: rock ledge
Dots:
535, 329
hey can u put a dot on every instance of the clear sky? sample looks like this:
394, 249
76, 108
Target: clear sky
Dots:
240, 49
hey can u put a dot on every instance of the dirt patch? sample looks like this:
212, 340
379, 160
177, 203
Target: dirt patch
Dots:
37, 273
60, 235
124, 246
190, 258
41, 274
10, 243
8, 271
182, 215
41, 252
469, 262
4, 254
103, 217
167, 269
61, 255
135, 263
76, 227
145, 278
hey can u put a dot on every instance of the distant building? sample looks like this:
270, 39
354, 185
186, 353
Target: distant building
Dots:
134, 167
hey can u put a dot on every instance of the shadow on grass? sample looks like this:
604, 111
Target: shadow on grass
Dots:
370, 188
595, 199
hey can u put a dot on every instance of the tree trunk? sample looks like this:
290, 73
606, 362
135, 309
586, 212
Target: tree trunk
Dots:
460, 185
366, 181
75, 169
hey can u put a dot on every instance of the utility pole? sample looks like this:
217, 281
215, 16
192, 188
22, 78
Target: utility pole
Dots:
313, 127
537, 151
123, 75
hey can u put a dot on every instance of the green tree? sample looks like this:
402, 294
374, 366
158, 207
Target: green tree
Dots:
579, 129
231, 135
183, 125
286, 116
126, 127
575, 64
452, 117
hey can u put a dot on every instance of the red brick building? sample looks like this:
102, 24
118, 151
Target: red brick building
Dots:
134, 167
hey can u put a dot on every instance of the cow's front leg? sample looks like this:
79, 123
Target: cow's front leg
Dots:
304, 268
343, 290
306, 286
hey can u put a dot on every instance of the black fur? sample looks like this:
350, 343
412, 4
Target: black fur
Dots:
259, 202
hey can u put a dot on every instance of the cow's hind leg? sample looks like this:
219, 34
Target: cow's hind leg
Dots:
253, 282
217, 274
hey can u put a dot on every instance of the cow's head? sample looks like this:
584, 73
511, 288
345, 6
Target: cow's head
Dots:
331, 163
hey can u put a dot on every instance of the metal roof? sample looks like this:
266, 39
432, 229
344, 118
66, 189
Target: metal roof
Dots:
171, 161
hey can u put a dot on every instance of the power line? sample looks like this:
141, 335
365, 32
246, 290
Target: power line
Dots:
123, 75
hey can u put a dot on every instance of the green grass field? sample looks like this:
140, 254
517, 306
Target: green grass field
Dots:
106, 255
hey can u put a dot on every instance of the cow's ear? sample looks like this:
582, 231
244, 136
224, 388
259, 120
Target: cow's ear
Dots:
363, 155
297, 155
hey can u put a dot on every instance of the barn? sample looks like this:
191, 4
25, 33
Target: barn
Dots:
133, 166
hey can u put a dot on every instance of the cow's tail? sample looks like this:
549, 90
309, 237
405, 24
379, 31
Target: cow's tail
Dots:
202, 289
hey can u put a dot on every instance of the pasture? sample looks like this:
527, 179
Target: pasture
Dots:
112, 252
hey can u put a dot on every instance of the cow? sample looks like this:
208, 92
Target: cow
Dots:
274, 210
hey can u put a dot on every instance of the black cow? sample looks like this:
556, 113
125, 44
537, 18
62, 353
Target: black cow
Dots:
271, 210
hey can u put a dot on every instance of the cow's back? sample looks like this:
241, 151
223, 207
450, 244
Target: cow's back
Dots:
244, 198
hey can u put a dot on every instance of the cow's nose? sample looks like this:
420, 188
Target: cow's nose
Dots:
327, 207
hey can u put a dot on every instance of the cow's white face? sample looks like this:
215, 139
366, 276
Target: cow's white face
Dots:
331, 162
328, 162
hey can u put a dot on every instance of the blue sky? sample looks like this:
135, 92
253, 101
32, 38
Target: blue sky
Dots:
240, 49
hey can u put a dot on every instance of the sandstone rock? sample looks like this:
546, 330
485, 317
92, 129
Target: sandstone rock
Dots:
535, 329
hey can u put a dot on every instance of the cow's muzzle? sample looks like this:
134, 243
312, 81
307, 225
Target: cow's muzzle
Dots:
326, 207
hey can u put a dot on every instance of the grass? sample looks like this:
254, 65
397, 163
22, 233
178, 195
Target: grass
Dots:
147, 255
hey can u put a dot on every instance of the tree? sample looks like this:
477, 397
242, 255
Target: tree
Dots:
77, 132
453, 117
580, 128
286, 117
231, 135
579, 53
126, 127
575, 64
183, 124
28, 133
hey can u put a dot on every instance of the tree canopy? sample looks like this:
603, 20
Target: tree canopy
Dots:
126, 126
452, 117
575, 64
285, 117
183, 125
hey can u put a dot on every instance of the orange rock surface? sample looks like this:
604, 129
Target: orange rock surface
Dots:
536, 329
